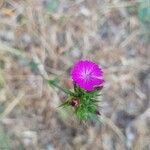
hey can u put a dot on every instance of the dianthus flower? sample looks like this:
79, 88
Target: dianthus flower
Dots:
87, 75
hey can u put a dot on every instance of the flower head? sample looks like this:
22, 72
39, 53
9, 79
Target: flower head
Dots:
87, 75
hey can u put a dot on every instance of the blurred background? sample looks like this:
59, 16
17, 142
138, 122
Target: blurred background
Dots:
46, 37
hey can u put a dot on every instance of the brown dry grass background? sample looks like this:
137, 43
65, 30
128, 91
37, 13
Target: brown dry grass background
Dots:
35, 40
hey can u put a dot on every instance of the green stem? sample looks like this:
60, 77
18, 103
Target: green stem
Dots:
53, 83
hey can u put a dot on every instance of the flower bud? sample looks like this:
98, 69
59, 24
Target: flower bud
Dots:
75, 102
98, 113
98, 88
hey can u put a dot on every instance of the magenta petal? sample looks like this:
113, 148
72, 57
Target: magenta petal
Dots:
87, 75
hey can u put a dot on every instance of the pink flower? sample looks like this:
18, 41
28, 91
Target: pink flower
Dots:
87, 75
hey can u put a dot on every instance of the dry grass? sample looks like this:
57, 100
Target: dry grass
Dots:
100, 30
